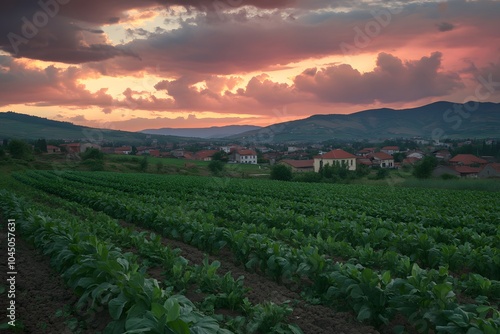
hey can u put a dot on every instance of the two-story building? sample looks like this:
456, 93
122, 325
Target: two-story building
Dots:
337, 156
244, 156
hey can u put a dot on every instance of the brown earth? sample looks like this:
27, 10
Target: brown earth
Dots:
43, 303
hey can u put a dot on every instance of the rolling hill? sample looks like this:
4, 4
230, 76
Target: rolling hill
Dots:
208, 133
437, 121
22, 126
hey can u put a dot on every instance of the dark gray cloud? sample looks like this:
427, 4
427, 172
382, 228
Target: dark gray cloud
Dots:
445, 26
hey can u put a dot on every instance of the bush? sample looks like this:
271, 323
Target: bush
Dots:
92, 153
362, 170
20, 150
382, 173
281, 173
424, 168
216, 167
335, 172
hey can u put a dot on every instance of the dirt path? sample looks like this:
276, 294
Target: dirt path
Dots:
312, 319
43, 303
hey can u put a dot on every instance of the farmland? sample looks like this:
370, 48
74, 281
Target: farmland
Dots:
189, 254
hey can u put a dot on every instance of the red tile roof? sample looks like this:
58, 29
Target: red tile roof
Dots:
247, 152
467, 159
362, 161
393, 148
336, 154
381, 156
495, 166
467, 169
205, 154
299, 163
410, 161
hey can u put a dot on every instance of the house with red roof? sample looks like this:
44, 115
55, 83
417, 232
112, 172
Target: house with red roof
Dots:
410, 161
381, 159
123, 150
461, 171
51, 149
442, 155
299, 166
244, 156
71, 148
390, 149
364, 161
205, 155
490, 171
337, 156
365, 151
467, 160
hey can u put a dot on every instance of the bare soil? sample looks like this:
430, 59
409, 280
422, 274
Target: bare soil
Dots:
43, 303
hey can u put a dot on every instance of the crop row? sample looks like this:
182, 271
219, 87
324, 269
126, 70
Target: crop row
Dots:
424, 297
103, 276
378, 242
221, 291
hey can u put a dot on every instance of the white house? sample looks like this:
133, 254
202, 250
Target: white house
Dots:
337, 156
382, 159
245, 157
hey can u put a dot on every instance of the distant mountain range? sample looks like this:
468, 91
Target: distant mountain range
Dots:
438, 120
207, 133
22, 126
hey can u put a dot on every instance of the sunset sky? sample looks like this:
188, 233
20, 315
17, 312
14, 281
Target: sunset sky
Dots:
136, 64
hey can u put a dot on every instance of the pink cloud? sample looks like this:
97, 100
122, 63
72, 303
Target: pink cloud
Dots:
391, 81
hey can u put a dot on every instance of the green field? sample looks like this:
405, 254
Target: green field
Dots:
402, 259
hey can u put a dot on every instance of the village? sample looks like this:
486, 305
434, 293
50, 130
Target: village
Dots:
452, 158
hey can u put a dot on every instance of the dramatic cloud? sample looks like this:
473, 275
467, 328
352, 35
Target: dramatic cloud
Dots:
247, 57
391, 81
20, 84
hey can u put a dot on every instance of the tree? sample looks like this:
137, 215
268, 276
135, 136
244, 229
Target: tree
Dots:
133, 151
219, 156
281, 172
19, 149
2, 153
216, 167
424, 168
41, 146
